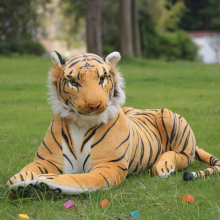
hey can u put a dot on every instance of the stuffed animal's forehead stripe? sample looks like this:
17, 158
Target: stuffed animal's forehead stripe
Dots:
85, 57
84, 62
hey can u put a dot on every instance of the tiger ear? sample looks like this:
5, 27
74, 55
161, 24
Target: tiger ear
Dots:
57, 58
113, 58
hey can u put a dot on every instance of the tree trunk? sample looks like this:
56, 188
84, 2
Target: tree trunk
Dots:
126, 29
136, 30
93, 27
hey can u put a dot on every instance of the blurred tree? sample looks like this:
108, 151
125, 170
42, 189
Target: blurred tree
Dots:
136, 30
195, 17
166, 14
148, 33
212, 11
126, 42
201, 15
110, 26
73, 22
93, 27
171, 15
18, 17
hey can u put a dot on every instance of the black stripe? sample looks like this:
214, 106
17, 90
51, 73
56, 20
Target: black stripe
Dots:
43, 167
164, 128
213, 161
124, 169
49, 162
136, 168
197, 156
140, 170
87, 139
142, 150
95, 60
64, 84
146, 114
183, 134
50, 178
11, 182
133, 119
60, 88
142, 143
150, 122
46, 146
145, 129
68, 133
120, 158
74, 63
85, 162
158, 131
53, 134
68, 160
186, 142
124, 140
105, 133
89, 130
133, 157
67, 141
22, 179
68, 61
183, 153
105, 179
167, 167
128, 111
40, 169
97, 167
173, 132
32, 176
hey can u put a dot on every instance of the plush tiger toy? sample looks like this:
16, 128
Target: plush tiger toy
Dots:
92, 143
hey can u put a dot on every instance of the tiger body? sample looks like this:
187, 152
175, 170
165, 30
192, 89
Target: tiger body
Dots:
92, 143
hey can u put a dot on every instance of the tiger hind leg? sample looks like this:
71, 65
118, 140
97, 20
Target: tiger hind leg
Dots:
168, 163
178, 142
207, 158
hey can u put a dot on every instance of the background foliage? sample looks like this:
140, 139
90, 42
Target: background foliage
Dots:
19, 22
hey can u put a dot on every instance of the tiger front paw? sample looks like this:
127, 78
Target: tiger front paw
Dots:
22, 180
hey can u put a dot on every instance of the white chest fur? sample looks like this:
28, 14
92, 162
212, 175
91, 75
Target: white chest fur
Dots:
80, 162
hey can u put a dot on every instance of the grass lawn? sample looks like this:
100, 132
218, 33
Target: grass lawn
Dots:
190, 89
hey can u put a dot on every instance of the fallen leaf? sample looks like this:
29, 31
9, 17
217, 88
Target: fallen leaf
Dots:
188, 198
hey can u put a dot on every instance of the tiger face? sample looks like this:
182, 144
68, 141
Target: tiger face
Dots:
86, 88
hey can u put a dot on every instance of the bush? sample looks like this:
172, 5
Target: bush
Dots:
21, 45
188, 50
168, 46
177, 45
149, 36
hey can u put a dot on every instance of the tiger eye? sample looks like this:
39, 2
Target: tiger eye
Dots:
73, 82
102, 78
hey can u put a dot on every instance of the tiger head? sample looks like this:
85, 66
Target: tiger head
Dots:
86, 88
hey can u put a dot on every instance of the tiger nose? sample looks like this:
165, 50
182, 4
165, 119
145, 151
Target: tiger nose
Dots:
94, 107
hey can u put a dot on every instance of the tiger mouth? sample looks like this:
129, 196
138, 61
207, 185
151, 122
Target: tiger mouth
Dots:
89, 114
77, 111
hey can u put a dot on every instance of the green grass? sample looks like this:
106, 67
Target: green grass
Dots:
190, 89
